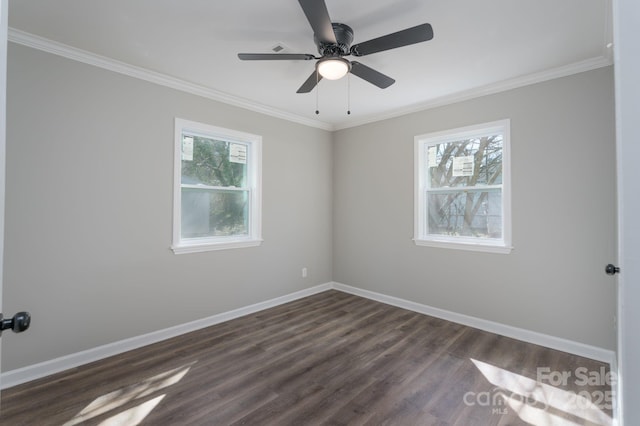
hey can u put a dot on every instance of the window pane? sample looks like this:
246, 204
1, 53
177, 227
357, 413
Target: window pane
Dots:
468, 213
464, 163
213, 162
212, 213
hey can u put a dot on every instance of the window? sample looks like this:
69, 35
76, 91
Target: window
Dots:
462, 197
217, 198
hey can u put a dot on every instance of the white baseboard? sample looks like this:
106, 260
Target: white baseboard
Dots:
32, 372
37, 371
564, 345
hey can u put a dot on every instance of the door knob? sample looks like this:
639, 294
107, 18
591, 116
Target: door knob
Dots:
19, 323
611, 269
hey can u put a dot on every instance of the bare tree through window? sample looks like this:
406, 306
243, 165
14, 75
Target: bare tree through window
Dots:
462, 197
465, 204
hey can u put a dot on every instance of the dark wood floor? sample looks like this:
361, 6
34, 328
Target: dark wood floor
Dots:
333, 359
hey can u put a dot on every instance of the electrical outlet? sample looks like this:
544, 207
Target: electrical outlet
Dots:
304, 272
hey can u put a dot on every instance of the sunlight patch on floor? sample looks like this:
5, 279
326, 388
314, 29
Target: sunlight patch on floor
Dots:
536, 415
133, 416
116, 399
533, 400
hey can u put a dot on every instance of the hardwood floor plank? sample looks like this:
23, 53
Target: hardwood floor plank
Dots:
328, 359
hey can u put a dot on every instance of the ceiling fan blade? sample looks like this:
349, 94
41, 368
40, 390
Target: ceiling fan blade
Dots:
311, 82
372, 76
275, 56
406, 37
318, 17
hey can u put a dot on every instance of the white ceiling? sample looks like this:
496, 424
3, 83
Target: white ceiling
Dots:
478, 47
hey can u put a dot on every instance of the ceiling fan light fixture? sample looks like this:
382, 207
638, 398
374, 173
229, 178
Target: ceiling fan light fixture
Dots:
333, 68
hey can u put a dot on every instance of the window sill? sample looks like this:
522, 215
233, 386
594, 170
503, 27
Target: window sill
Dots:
211, 246
470, 246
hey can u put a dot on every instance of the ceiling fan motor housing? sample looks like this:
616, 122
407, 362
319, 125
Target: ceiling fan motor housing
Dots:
344, 38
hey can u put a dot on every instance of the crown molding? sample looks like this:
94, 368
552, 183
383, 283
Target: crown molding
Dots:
66, 51
502, 86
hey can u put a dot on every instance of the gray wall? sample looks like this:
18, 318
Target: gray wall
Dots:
89, 210
563, 203
89, 206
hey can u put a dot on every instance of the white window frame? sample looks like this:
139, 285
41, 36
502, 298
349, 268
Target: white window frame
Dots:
254, 183
421, 235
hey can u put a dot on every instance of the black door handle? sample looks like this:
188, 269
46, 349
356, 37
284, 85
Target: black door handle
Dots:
19, 323
611, 269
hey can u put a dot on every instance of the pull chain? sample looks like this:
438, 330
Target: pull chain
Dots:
317, 90
348, 93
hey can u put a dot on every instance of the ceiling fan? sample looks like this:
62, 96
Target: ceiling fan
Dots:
334, 43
